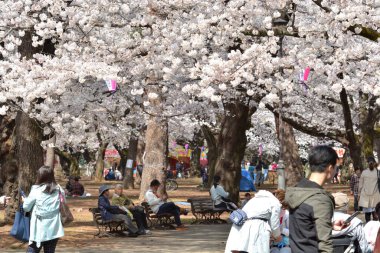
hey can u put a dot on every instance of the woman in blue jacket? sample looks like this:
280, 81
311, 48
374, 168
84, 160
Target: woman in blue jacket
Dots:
43, 202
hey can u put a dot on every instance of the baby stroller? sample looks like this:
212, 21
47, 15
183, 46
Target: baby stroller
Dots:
345, 244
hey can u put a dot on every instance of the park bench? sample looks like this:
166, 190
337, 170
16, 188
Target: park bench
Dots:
204, 211
105, 228
158, 221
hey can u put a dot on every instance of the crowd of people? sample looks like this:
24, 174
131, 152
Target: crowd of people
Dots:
259, 170
307, 218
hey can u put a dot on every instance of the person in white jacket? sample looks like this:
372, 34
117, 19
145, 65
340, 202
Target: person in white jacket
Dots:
159, 205
263, 212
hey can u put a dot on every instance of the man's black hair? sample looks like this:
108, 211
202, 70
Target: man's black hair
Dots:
377, 209
155, 182
320, 157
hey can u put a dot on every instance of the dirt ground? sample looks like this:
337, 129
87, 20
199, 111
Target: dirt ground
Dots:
79, 236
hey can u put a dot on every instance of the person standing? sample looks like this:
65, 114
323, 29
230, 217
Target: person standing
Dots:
263, 212
259, 169
45, 223
354, 187
311, 207
368, 190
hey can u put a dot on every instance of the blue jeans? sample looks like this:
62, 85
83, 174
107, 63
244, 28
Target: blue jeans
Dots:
170, 207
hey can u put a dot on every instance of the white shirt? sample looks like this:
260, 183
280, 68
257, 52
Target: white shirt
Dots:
217, 194
153, 201
370, 230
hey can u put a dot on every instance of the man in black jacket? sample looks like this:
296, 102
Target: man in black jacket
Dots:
311, 207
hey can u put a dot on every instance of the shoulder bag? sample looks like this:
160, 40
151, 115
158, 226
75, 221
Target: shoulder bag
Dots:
21, 225
66, 215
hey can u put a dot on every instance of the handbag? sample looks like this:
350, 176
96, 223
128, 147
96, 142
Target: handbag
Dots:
66, 215
21, 225
378, 180
238, 217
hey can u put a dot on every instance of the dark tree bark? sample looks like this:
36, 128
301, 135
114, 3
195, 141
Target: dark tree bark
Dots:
132, 154
232, 142
29, 156
123, 158
8, 172
353, 145
212, 151
290, 153
369, 113
197, 143
27, 137
69, 162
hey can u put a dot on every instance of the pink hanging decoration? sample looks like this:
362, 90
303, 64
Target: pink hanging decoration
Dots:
186, 147
303, 77
306, 74
111, 85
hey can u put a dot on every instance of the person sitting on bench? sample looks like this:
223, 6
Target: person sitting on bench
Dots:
220, 197
137, 212
159, 205
114, 213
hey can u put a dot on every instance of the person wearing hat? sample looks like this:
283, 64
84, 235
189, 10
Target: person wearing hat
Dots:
114, 213
368, 190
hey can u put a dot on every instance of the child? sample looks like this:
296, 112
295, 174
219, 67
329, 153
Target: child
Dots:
247, 197
354, 187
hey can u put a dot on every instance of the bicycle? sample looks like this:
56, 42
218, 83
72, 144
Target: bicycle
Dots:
171, 184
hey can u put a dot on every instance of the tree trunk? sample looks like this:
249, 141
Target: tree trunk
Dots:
29, 155
8, 173
139, 159
72, 166
368, 116
197, 143
99, 166
132, 153
232, 142
155, 159
212, 152
290, 153
354, 147
50, 154
123, 159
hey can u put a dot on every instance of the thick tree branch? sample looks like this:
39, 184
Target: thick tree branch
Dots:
310, 130
365, 31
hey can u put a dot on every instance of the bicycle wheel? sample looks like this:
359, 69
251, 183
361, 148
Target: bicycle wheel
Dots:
171, 185
175, 185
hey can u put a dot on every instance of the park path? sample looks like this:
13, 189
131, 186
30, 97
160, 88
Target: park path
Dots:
197, 239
